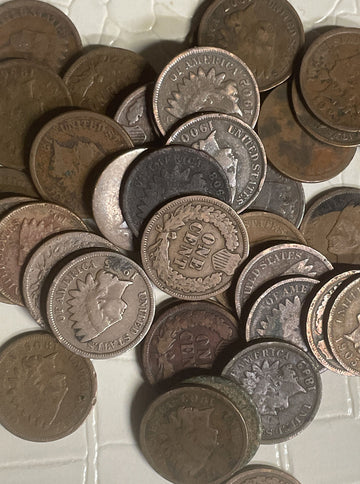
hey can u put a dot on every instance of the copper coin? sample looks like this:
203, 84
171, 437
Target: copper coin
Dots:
193, 434
105, 202
266, 226
235, 146
16, 182
187, 336
266, 35
37, 31
205, 79
316, 322
97, 78
262, 475
283, 383
291, 149
45, 257
100, 304
273, 262
192, 246
329, 78
29, 90
20, 231
343, 328
66, 152
47, 392
332, 223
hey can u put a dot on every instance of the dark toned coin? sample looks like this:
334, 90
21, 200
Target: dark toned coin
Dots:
194, 435
273, 262
105, 202
29, 90
66, 152
161, 175
332, 225
97, 78
291, 149
187, 336
45, 257
262, 475
100, 304
267, 35
283, 383
37, 31
135, 116
16, 182
235, 146
329, 78
192, 246
46, 391
280, 195
21, 230
205, 79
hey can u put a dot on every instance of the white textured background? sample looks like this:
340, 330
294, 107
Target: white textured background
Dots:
104, 449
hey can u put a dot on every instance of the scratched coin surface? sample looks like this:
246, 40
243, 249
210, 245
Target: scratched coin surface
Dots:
186, 337
100, 304
192, 246
256, 474
45, 257
193, 434
46, 391
235, 146
17, 182
266, 35
205, 79
329, 78
283, 383
291, 149
21, 230
67, 151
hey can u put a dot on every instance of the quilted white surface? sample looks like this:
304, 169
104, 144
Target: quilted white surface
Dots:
104, 449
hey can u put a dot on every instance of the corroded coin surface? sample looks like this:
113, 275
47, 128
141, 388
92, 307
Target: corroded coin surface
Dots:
100, 304
235, 146
192, 246
193, 435
205, 79
66, 152
16, 182
46, 391
20, 231
329, 78
262, 475
266, 34
283, 383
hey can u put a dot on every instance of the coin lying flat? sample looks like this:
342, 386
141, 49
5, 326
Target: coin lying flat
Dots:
47, 392
267, 36
100, 304
262, 475
16, 182
192, 246
205, 79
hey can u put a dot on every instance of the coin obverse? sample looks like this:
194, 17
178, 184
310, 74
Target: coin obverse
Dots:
256, 474
46, 391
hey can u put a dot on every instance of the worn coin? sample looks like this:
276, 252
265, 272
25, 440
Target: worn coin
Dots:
45, 257
332, 225
291, 149
100, 304
194, 435
159, 176
46, 391
273, 262
99, 77
67, 151
205, 79
329, 78
235, 146
28, 91
16, 182
283, 383
266, 35
21, 230
281, 195
262, 475
105, 202
192, 246
186, 337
